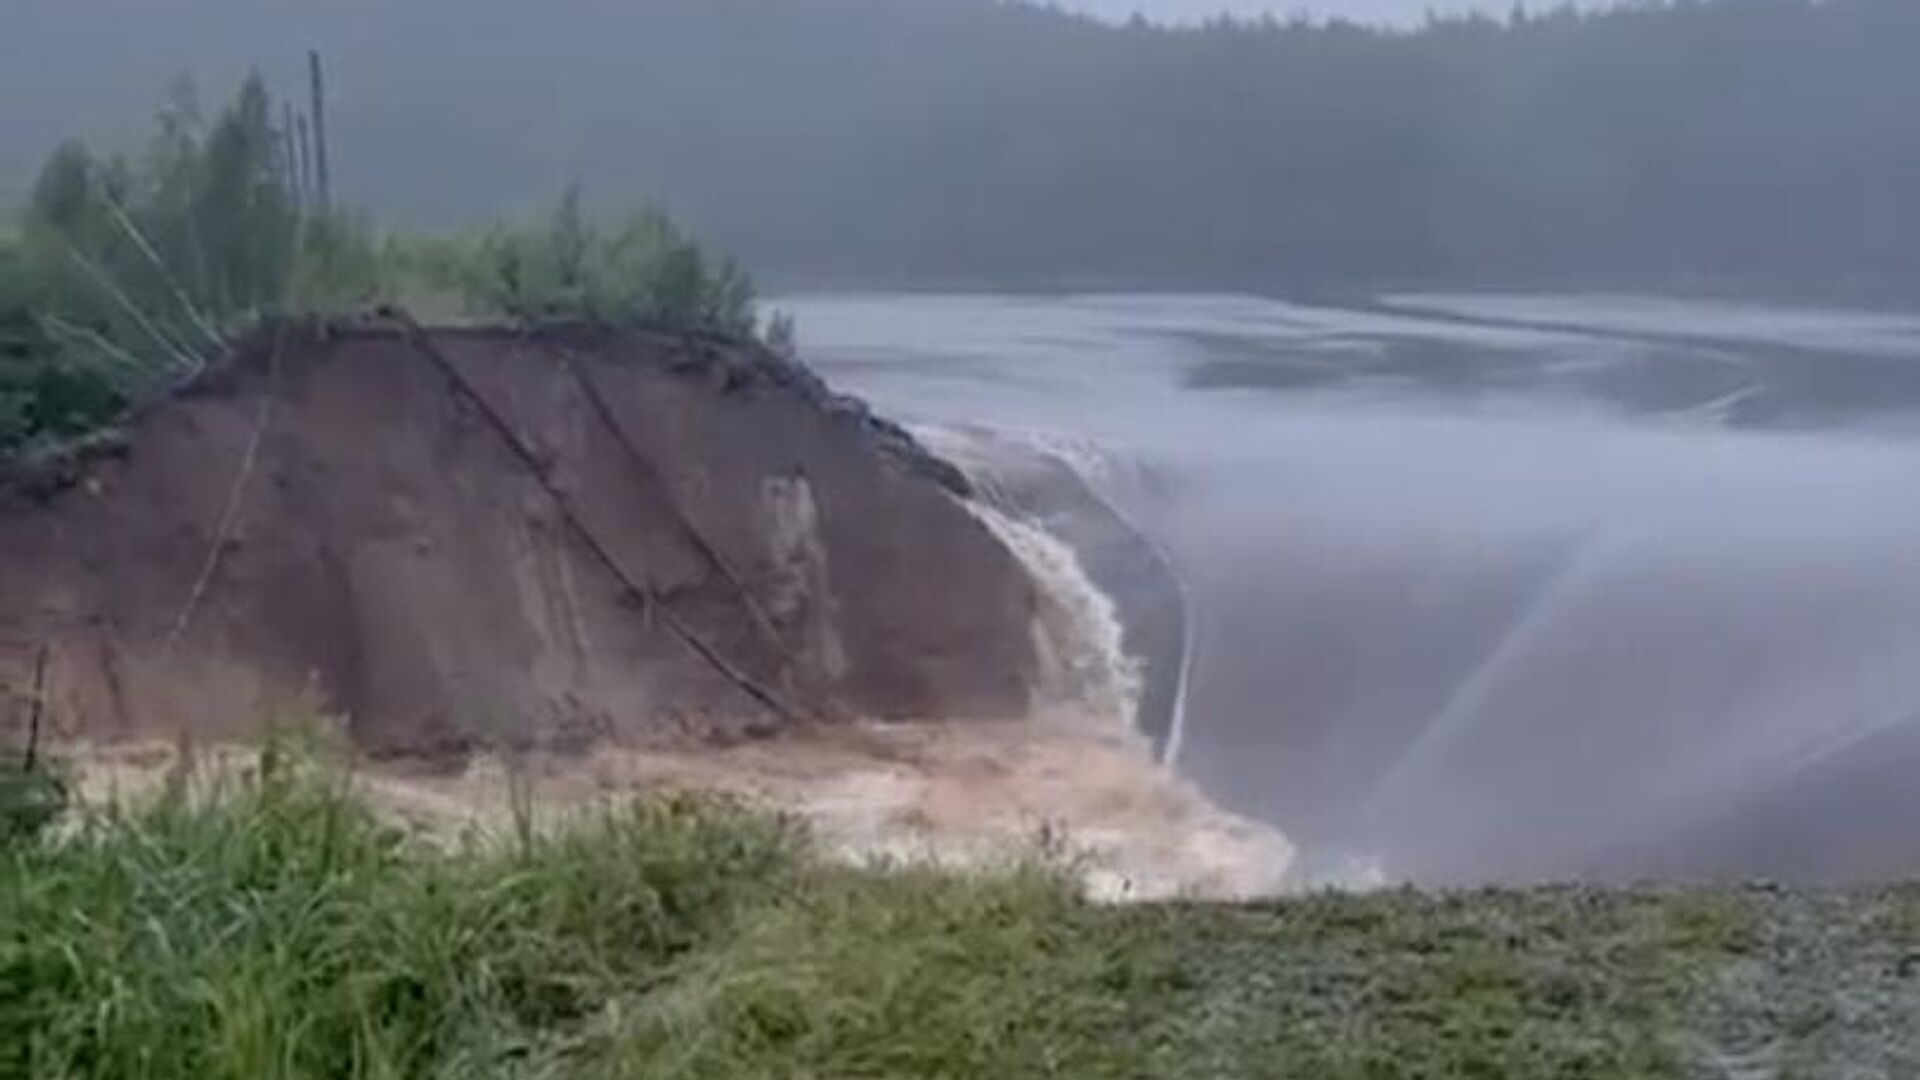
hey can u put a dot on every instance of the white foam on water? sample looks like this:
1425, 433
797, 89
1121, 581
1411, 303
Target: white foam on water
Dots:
1077, 632
1056, 565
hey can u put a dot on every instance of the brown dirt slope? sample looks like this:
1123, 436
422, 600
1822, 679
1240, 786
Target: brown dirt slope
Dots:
468, 537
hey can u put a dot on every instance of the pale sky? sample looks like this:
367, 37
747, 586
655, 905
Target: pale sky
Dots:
1394, 11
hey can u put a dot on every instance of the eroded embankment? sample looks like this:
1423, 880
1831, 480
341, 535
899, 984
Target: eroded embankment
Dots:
1071, 779
479, 537
621, 561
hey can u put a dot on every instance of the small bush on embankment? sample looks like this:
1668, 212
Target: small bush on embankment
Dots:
277, 928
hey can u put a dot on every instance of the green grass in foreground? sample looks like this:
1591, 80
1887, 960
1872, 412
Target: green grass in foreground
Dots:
279, 929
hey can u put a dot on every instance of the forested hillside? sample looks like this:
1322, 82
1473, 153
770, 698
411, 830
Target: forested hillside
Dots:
1743, 141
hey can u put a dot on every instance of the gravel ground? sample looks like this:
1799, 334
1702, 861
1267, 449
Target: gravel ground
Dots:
1714, 984
1823, 985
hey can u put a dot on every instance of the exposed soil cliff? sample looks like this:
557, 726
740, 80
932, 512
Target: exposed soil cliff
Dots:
485, 536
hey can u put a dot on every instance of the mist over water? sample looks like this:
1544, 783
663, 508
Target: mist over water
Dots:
1491, 589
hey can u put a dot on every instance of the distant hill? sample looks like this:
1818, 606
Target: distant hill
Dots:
1750, 140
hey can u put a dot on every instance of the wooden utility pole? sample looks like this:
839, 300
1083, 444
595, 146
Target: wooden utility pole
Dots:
322, 174
290, 160
306, 155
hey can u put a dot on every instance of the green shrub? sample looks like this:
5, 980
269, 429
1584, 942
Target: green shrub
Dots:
644, 269
129, 276
30, 800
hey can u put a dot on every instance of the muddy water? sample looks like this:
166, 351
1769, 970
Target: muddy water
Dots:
1470, 588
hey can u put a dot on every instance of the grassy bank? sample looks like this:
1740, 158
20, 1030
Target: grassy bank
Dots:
277, 928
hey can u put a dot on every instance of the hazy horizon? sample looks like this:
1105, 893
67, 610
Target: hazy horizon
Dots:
1374, 11
960, 140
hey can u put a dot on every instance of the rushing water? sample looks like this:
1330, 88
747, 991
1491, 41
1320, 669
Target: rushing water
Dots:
1484, 588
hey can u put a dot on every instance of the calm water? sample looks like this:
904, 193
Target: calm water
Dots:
1484, 587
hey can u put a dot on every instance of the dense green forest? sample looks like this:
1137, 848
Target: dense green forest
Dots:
1766, 141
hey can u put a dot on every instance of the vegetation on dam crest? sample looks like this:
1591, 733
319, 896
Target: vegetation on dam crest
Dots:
274, 926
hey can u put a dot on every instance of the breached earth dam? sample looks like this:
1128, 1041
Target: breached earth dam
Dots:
1461, 589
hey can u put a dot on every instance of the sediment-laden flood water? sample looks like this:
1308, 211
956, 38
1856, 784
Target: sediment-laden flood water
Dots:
1473, 588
